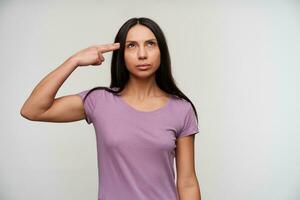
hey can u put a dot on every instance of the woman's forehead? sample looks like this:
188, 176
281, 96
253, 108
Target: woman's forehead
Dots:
139, 33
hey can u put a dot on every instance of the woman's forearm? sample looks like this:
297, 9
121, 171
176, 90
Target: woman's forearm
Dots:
189, 193
42, 96
189, 190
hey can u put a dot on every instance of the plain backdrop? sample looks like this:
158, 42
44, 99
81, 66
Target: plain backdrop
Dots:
238, 61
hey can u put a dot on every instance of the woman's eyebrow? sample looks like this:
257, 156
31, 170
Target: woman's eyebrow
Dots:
136, 41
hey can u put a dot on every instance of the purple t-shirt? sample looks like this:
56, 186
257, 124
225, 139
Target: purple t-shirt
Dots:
136, 149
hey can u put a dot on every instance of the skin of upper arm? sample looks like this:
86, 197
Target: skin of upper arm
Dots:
185, 161
67, 108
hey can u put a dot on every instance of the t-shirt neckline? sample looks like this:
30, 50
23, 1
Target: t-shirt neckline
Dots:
129, 107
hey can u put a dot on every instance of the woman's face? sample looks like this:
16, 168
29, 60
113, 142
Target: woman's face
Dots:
141, 47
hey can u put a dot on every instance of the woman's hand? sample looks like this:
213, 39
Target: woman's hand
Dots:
93, 54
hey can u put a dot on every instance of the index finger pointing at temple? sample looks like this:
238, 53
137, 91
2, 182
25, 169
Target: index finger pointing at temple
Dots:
108, 47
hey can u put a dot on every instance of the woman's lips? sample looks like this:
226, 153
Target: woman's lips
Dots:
145, 66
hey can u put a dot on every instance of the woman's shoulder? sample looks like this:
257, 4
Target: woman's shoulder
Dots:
180, 104
94, 92
179, 100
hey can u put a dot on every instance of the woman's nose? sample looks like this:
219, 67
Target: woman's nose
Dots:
142, 53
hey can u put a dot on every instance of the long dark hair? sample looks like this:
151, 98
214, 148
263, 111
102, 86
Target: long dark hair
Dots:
120, 74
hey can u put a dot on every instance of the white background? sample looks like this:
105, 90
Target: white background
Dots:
238, 61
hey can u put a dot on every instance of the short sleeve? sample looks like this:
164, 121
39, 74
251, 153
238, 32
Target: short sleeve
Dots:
89, 105
190, 125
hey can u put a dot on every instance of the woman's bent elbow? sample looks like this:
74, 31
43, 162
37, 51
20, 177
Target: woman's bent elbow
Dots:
27, 115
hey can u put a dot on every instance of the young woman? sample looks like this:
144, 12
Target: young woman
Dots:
142, 121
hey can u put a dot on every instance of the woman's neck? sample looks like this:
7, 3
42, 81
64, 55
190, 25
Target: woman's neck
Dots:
142, 89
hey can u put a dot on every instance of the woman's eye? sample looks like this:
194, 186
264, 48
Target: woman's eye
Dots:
129, 45
152, 43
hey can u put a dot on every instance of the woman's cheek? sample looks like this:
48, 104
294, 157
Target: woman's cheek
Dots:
128, 59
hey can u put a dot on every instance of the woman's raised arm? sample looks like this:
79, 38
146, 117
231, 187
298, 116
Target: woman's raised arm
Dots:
41, 105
